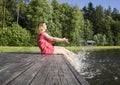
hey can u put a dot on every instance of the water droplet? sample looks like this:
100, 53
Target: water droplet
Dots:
116, 78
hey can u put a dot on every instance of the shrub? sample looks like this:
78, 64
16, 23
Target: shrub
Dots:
4, 37
100, 39
14, 36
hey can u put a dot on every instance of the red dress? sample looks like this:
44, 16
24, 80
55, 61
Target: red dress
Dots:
45, 44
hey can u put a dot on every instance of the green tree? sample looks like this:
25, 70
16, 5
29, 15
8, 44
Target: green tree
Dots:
20, 13
108, 31
7, 8
54, 26
98, 20
61, 17
77, 25
115, 28
115, 11
100, 39
89, 11
65, 19
85, 12
18, 10
1, 13
88, 33
108, 11
116, 14
38, 10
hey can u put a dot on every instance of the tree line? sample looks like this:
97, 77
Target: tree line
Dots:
19, 19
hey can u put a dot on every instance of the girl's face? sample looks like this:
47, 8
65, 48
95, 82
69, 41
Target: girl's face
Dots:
44, 26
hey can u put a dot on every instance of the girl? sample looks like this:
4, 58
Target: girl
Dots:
45, 42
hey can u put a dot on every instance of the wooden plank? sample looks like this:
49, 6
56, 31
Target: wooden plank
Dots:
12, 72
41, 75
27, 77
8, 58
55, 72
15, 65
67, 74
36, 69
5, 67
79, 78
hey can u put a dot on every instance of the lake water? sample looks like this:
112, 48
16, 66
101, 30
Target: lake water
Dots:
101, 67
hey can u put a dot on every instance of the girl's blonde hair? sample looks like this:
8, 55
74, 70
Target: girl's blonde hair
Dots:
40, 27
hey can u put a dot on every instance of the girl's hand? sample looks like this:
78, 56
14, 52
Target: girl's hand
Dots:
65, 40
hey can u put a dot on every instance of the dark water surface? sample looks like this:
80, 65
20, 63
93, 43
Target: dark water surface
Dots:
102, 67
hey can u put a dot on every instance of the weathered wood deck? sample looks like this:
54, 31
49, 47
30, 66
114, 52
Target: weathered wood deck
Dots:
37, 69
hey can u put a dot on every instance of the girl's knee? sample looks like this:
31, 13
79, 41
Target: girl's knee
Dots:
64, 53
60, 47
63, 48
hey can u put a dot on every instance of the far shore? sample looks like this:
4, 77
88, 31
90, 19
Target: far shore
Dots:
72, 48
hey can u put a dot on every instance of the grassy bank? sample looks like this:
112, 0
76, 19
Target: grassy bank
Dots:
36, 49
18, 49
92, 48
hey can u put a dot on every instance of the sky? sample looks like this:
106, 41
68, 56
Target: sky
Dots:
104, 3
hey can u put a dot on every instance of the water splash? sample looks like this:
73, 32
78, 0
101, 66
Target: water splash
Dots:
77, 59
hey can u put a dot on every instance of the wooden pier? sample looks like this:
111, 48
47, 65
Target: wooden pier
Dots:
37, 69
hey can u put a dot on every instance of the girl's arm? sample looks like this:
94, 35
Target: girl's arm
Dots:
56, 39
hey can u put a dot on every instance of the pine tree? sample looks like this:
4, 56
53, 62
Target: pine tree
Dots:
108, 11
98, 20
116, 14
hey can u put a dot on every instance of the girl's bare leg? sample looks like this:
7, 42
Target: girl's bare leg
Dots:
70, 56
63, 51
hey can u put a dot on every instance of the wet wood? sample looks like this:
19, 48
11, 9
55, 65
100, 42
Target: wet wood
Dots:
37, 69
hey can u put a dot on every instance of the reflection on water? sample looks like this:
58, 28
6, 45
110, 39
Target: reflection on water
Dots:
101, 67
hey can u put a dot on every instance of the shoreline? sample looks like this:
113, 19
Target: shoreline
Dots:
72, 48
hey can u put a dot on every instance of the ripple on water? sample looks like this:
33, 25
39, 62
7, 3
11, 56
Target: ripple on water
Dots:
101, 67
